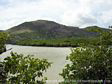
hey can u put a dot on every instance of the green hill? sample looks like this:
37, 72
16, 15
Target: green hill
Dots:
95, 29
1, 30
43, 32
43, 29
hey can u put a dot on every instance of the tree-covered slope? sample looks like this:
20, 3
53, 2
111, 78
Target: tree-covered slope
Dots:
49, 33
43, 29
95, 29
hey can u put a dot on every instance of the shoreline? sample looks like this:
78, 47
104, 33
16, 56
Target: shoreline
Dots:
45, 46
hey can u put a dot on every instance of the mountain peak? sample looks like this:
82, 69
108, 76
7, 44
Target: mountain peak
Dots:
44, 29
45, 22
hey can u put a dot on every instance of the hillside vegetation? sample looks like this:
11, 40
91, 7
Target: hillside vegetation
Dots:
49, 33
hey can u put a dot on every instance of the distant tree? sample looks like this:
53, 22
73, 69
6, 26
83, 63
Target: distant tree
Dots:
90, 62
110, 26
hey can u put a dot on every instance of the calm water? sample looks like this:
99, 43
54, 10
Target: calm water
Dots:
57, 55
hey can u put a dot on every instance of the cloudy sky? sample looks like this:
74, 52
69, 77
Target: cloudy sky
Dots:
80, 13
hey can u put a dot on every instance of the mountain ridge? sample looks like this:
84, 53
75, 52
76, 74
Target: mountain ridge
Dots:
47, 30
50, 33
50, 28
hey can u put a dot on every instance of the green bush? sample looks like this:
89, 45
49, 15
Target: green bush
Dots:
25, 69
3, 39
90, 62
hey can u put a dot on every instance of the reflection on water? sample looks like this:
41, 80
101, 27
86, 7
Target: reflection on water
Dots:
57, 55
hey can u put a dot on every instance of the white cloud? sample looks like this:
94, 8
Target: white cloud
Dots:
69, 12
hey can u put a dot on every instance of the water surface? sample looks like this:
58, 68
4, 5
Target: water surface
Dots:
57, 55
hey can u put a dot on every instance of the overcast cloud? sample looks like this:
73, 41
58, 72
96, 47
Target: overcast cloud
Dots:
80, 13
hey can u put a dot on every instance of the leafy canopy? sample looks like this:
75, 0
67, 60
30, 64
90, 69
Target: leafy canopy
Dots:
90, 62
3, 39
25, 69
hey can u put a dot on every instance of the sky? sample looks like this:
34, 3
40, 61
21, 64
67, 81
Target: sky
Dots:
79, 13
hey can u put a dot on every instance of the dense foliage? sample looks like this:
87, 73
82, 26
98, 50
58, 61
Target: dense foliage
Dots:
20, 69
90, 62
64, 42
25, 69
3, 39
